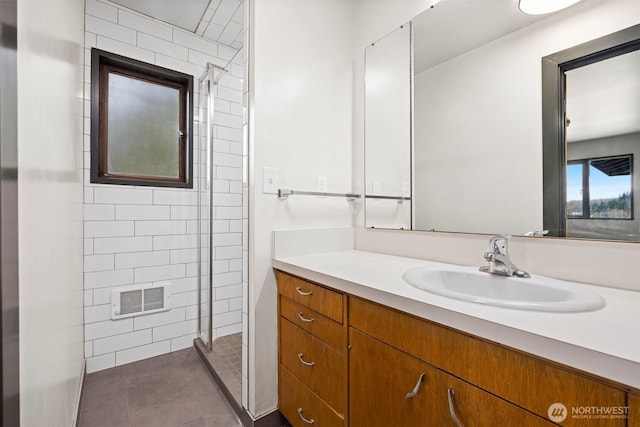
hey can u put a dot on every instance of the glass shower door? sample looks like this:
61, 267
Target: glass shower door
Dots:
205, 191
220, 227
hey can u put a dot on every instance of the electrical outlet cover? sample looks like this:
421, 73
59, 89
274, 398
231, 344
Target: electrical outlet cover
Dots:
322, 184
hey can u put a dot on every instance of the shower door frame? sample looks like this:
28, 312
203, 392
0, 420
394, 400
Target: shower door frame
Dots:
209, 77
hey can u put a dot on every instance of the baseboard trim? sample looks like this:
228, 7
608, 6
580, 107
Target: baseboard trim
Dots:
273, 419
80, 394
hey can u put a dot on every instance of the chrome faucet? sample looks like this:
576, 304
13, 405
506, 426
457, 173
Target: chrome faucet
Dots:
498, 258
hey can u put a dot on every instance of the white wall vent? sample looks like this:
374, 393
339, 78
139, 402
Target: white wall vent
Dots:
137, 300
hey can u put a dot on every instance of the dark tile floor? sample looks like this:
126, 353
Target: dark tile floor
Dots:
169, 390
226, 359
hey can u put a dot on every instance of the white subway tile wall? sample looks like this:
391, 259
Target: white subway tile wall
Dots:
142, 235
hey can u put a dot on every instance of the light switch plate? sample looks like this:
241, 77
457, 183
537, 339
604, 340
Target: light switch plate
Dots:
269, 180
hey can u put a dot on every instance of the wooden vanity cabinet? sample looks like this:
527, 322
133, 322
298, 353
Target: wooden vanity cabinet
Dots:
388, 387
345, 361
633, 405
312, 373
529, 383
473, 406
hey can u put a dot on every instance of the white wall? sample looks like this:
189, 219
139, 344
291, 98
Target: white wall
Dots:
50, 56
301, 123
138, 235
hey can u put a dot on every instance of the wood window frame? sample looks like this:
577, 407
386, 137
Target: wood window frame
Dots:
104, 63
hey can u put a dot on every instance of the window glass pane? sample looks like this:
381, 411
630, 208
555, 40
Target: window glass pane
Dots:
143, 128
610, 188
574, 190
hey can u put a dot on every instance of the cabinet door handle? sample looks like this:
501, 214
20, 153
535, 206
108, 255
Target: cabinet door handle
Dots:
303, 293
452, 410
416, 389
311, 421
300, 357
304, 319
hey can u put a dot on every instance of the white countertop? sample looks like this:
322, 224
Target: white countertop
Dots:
604, 342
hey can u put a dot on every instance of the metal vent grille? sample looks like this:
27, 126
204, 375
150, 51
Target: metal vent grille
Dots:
131, 302
134, 301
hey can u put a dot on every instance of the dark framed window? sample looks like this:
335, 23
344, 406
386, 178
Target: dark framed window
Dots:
600, 188
141, 123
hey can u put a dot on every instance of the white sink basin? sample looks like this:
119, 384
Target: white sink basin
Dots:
537, 293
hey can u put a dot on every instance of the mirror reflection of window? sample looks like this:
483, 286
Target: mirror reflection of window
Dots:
610, 188
600, 188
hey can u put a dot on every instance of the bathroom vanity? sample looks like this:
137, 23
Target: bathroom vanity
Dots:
357, 347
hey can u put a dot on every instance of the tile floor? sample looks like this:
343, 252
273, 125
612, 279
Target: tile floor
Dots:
226, 359
174, 389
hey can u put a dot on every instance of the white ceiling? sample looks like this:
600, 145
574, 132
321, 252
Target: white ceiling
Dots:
459, 21
219, 20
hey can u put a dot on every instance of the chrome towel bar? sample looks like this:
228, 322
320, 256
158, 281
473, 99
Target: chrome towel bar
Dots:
284, 193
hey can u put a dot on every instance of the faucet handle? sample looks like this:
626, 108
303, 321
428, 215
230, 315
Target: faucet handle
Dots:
489, 256
498, 244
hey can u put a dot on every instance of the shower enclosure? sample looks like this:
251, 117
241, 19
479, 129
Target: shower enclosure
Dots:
220, 228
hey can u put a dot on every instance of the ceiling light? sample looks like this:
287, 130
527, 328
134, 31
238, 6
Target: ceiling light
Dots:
540, 7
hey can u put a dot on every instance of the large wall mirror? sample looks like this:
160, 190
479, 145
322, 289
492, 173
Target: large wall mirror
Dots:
477, 122
388, 130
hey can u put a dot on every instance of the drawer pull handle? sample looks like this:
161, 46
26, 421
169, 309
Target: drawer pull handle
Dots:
311, 421
452, 410
304, 319
300, 357
416, 389
303, 293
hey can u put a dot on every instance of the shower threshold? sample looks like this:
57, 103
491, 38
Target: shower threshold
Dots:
224, 362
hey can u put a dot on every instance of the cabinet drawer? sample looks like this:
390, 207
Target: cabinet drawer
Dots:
316, 297
380, 378
316, 364
519, 378
297, 401
313, 322
475, 407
